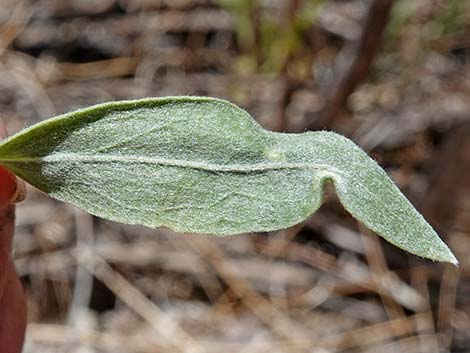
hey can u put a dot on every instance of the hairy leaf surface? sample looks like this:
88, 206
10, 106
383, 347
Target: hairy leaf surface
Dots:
203, 165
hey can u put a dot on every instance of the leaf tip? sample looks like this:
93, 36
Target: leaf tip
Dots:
445, 255
453, 260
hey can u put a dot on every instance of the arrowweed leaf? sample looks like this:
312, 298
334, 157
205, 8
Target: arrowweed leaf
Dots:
202, 165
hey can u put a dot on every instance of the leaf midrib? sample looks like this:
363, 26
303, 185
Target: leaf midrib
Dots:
198, 165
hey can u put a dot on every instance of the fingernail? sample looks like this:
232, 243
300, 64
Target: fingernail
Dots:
20, 192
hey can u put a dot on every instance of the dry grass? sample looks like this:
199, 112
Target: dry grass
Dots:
327, 285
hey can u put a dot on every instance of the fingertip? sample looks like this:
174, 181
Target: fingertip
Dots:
7, 178
7, 186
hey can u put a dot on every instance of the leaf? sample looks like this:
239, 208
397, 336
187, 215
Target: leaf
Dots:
202, 165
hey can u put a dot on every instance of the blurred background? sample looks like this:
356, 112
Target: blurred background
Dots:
394, 76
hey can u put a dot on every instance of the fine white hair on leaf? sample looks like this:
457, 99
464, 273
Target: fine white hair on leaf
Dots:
203, 165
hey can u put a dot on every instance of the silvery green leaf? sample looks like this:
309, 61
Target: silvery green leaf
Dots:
202, 165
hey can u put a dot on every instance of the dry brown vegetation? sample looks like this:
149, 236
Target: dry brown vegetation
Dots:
327, 285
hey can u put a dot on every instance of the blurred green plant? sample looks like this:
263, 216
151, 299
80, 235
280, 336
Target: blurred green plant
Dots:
453, 17
441, 20
266, 39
